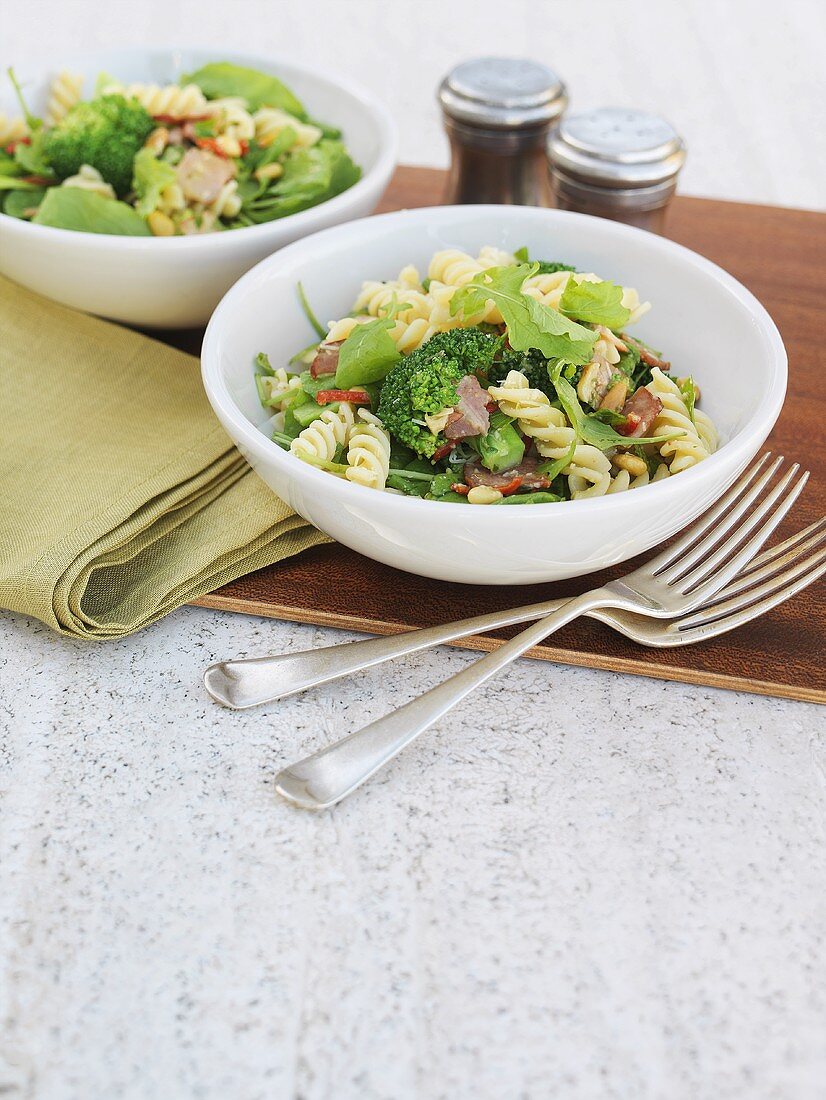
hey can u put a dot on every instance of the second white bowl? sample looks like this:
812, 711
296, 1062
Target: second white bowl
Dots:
175, 282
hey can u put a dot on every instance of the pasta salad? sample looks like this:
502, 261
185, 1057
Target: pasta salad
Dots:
225, 148
494, 380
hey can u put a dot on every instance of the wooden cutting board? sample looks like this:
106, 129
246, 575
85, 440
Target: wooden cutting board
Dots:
778, 254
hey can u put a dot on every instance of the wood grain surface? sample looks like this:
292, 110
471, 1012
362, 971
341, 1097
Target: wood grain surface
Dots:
778, 254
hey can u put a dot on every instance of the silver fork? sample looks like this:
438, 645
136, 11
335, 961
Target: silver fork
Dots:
248, 682
679, 580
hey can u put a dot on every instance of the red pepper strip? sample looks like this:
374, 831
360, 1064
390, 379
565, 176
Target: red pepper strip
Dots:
461, 489
171, 120
12, 145
245, 146
355, 397
212, 145
443, 451
491, 406
511, 487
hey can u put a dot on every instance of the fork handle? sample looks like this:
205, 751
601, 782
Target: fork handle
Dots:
327, 776
249, 681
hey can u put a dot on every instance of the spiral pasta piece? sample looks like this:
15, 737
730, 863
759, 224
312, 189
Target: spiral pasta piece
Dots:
688, 448
279, 387
320, 439
64, 93
537, 418
376, 298
706, 430
89, 179
171, 100
270, 121
12, 129
589, 472
368, 453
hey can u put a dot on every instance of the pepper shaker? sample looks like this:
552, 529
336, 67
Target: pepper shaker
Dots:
497, 113
616, 163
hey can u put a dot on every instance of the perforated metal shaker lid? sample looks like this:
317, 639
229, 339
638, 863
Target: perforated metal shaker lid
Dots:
503, 93
617, 147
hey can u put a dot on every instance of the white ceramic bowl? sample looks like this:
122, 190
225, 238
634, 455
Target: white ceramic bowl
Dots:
709, 325
170, 282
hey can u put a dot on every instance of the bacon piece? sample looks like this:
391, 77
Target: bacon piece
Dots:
355, 397
648, 357
173, 120
470, 416
442, 452
326, 360
640, 411
459, 488
202, 174
523, 476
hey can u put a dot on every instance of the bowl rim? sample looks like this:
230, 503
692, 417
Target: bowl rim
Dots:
736, 452
388, 147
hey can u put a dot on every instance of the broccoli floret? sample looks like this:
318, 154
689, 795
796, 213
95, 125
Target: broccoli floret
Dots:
106, 133
424, 382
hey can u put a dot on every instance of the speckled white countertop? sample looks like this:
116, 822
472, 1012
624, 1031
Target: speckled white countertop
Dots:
579, 885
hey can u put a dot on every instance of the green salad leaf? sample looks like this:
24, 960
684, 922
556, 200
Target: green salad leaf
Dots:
688, 392
530, 323
594, 431
595, 303
88, 212
310, 176
367, 354
222, 78
23, 204
150, 178
14, 183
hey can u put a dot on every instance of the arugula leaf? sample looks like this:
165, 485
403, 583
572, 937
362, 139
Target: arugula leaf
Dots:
14, 183
530, 324
32, 158
310, 176
688, 392
540, 496
32, 121
263, 364
594, 431
308, 313
88, 212
367, 354
150, 177
596, 303
609, 416
222, 78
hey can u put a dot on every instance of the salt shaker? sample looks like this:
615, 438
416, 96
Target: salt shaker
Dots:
497, 113
616, 163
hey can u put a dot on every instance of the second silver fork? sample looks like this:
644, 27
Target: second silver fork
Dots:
680, 579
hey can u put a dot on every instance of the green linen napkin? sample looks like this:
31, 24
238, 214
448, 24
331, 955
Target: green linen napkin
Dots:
121, 497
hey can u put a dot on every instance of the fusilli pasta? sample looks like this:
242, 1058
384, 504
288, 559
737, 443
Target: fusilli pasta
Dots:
320, 439
171, 100
64, 93
270, 121
368, 453
688, 448
280, 386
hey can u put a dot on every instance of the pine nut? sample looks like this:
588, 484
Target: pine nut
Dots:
269, 172
161, 224
632, 463
615, 398
483, 494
